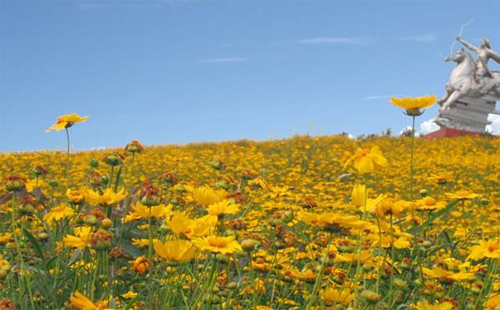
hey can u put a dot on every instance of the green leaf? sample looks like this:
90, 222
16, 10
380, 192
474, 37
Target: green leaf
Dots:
51, 263
447, 240
34, 242
74, 257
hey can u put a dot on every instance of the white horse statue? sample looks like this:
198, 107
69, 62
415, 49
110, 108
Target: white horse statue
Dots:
464, 80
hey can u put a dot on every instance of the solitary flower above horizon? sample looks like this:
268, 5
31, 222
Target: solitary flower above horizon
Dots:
413, 105
67, 121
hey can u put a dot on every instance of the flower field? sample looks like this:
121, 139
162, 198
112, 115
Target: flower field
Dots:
303, 223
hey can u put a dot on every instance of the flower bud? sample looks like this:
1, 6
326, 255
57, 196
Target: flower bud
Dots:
10, 245
400, 283
249, 245
38, 171
106, 223
217, 164
15, 183
287, 216
426, 244
53, 183
370, 296
3, 274
134, 147
113, 159
90, 219
232, 285
43, 236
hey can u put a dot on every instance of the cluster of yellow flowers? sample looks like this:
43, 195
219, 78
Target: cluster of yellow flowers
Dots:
304, 223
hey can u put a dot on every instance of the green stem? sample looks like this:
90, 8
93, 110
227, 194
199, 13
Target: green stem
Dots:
412, 166
67, 157
150, 253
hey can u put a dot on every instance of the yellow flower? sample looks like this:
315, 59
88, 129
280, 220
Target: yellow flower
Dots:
440, 179
493, 301
205, 195
332, 296
412, 105
462, 195
181, 224
425, 305
175, 250
81, 240
447, 276
58, 213
216, 244
132, 216
107, 198
358, 195
5, 237
67, 121
307, 275
331, 220
390, 207
429, 204
140, 265
223, 207
386, 241
488, 249
156, 211
361, 257
81, 302
129, 295
366, 161
142, 243
75, 196
32, 184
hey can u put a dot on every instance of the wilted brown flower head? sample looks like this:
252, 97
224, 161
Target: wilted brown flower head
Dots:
150, 195
169, 177
113, 159
39, 170
15, 183
7, 304
101, 239
134, 147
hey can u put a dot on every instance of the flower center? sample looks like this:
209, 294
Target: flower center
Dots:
218, 243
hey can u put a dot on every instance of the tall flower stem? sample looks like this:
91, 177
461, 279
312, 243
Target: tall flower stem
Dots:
412, 165
150, 253
67, 156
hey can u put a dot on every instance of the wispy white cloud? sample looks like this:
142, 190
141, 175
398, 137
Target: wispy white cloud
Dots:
225, 60
376, 97
422, 38
335, 40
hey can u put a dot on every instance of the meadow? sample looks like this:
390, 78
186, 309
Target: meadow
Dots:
309, 222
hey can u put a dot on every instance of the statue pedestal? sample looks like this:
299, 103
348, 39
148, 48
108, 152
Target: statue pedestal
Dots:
468, 116
446, 132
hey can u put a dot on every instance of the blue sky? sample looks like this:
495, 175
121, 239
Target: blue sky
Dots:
180, 71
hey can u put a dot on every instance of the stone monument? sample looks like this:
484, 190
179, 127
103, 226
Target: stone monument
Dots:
471, 92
